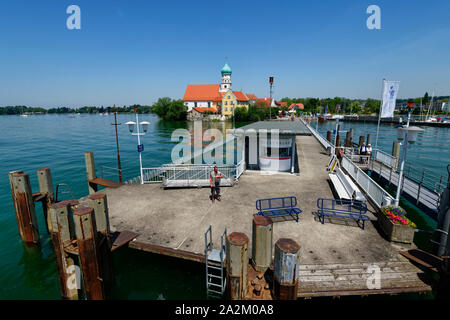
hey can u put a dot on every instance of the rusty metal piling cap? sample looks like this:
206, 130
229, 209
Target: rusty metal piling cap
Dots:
287, 245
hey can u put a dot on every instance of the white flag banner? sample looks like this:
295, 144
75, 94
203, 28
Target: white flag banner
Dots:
389, 98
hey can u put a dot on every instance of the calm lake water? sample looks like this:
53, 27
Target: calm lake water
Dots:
59, 142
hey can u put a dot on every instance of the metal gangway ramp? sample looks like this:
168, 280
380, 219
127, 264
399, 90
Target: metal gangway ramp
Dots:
214, 261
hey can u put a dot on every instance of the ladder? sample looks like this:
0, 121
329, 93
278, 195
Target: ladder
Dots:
214, 261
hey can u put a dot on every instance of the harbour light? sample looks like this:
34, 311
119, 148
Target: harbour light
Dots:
144, 125
408, 133
130, 125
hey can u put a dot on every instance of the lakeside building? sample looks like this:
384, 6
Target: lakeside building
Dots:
218, 98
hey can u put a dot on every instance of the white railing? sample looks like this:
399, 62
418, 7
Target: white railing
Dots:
189, 173
375, 192
324, 142
240, 168
384, 158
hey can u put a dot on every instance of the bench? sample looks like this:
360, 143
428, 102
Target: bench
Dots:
355, 210
345, 187
278, 207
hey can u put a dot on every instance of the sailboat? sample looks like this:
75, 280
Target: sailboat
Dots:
430, 118
23, 114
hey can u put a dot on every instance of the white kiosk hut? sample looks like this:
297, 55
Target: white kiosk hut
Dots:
270, 145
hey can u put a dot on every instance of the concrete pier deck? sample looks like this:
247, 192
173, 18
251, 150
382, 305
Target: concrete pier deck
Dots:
173, 222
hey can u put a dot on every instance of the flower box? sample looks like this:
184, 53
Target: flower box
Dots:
397, 227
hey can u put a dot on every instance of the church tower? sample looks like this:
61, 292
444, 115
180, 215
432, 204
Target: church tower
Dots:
225, 85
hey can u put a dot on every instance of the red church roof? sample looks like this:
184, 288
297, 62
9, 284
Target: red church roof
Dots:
202, 92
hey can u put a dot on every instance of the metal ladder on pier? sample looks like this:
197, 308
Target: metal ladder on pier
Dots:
215, 276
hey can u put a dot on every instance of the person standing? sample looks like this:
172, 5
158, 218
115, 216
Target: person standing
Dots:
362, 151
214, 182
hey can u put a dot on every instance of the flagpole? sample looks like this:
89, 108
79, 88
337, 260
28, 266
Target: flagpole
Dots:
379, 114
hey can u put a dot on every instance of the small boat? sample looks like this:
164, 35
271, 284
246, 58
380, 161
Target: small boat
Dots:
322, 119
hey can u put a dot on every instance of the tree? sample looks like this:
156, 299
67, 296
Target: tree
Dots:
372, 106
176, 111
426, 98
161, 106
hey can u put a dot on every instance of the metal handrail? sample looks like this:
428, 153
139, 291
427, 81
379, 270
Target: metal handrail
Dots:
119, 171
68, 191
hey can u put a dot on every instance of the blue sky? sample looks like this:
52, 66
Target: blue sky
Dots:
136, 51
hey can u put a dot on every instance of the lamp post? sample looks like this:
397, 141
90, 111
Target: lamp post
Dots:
405, 135
140, 146
270, 99
115, 124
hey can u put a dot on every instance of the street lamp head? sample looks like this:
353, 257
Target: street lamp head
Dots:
408, 133
130, 125
144, 125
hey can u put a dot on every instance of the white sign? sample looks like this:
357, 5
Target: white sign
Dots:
389, 98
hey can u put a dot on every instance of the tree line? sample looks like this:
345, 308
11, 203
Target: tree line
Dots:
15, 110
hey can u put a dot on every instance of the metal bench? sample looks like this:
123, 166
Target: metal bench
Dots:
345, 187
355, 210
283, 206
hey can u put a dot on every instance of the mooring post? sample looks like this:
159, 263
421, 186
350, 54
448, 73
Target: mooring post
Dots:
68, 273
24, 205
396, 152
100, 205
262, 236
348, 139
338, 140
86, 233
11, 184
237, 264
369, 138
350, 142
46, 187
361, 140
286, 268
329, 136
90, 171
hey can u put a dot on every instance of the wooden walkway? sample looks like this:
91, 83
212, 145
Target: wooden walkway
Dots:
419, 195
355, 279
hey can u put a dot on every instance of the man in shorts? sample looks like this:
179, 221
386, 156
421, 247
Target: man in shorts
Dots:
214, 182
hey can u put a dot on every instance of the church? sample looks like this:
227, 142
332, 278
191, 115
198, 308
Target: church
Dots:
219, 99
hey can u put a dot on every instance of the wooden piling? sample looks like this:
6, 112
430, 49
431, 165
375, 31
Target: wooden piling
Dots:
11, 184
46, 187
237, 264
262, 235
349, 141
338, 140
86, 233
62, 234
396, 152
286, 265
24, 205
369, 138
329, 136
90, 171
361, 140
100, 205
